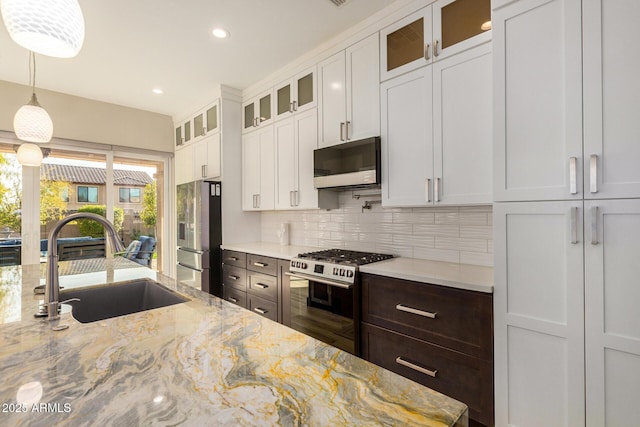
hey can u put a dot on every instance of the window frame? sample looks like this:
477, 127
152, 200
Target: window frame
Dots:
88, 187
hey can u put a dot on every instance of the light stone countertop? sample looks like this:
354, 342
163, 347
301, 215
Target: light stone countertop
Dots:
203, 362
460, 276
273, 250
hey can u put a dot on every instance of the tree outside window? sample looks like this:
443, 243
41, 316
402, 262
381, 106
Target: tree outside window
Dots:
87, 194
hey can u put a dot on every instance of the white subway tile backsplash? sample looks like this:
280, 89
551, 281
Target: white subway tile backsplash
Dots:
476, 258
458, 234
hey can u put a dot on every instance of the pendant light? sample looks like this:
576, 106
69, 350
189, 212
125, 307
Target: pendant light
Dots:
49, 27
32, 122
29, 155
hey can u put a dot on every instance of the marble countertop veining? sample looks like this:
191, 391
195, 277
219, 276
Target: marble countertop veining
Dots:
203, 362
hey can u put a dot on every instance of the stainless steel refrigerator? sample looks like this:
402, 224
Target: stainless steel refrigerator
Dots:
200, 235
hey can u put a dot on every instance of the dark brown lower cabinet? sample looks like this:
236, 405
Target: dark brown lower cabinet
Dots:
465, 378
437, 336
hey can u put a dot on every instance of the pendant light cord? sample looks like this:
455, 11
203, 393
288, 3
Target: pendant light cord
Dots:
32, 77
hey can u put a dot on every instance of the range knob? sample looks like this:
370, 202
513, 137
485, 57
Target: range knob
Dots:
349, 273
293, 263
342, 272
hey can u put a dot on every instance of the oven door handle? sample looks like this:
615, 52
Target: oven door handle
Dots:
320, 280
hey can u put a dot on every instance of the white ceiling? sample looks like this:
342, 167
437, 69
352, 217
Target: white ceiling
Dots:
132, 46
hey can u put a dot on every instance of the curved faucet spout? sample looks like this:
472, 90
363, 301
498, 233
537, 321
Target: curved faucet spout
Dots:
52, 287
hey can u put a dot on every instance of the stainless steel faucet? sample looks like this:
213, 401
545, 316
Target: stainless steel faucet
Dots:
52, 286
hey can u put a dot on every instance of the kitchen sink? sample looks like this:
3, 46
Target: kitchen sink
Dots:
118, 299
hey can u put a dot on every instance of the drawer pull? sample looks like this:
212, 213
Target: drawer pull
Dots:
262, 285
401, 361
233, 300
415, 311
232, 277
260, 310
233, 258
259, 264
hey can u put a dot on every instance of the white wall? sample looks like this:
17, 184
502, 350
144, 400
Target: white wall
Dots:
84, 119
451, 234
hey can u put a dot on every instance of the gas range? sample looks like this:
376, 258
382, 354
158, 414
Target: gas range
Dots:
334, 264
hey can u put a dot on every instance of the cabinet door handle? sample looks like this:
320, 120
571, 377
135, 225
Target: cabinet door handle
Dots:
232, 258
427, 189
204, 171
593, 175
435, 48
347, 130
411, 310
296, 197
426, 51
401, 361
260, 310
291, 107
232, 277
594, 225
341, 131
574, 225
233, 300
204, 131
258, 199
291, 198
260, 264
295, 105
261, 285
573, 183
436, 190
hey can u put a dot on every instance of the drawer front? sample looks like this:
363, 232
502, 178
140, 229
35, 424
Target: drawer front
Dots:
235, 277
458, 319
237, 259
262, 264
263, 307
234, 296
462, 377
263, 286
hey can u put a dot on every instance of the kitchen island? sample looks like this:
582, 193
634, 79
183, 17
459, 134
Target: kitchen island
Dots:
203, 362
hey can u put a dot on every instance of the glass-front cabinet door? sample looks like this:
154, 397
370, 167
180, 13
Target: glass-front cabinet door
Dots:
257, 111
187, 131
179, 140
212, 118
297, 94
198, 125
459, 25
406, 44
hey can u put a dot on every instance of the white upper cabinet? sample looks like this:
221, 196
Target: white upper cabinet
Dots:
463, 127
437, 133
434, 32
200, 160
611, 98
258, 111
538, 101
258, 170
295, 140
349, 94
297, 94
205, 121
407, 139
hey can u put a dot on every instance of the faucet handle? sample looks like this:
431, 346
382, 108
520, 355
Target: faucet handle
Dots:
39, 290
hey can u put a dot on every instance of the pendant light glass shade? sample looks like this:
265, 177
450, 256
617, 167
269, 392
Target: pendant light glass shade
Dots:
32, 122
49, 27
29, 155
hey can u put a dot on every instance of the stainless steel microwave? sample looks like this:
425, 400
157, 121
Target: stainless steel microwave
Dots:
353, 164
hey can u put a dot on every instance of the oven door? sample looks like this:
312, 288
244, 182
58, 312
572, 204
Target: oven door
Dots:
322, 309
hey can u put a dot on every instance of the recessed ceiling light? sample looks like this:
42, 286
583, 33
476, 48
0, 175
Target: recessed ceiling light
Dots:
157, 91
220, 33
